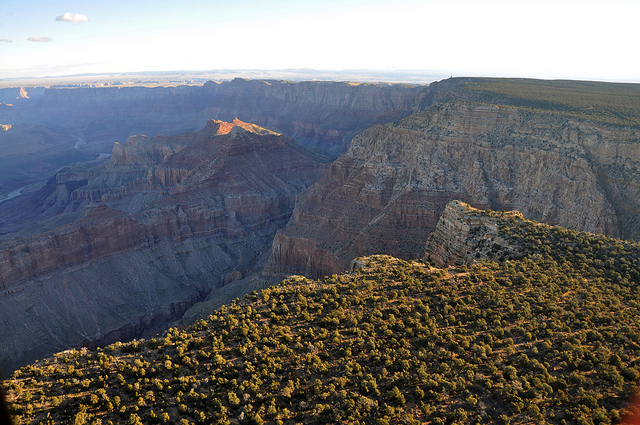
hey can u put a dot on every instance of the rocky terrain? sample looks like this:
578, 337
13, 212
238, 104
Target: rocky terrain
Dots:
152, 231
465, 235
386, 193
176, 211
319, 115
139, 171
323, 116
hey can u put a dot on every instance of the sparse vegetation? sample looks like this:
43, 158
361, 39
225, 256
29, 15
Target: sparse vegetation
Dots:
550, 337
609, 103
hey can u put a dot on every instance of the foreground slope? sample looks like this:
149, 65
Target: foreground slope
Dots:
150, 233
549, 335
477, 144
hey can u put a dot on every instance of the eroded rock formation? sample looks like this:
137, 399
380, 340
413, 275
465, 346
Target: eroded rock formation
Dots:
322, 116
166, 220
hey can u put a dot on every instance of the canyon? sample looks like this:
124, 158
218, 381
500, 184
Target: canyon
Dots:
147, 234
319, 114
43, 129
249, 181
115, 235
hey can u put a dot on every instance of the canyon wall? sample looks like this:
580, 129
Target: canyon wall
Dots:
386, 193
322, 116
118, 248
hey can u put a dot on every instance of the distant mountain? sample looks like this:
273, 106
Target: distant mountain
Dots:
322, 115
565, 153
152, 231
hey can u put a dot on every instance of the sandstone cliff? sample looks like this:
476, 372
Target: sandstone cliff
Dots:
166, 220
322, 116
387, 192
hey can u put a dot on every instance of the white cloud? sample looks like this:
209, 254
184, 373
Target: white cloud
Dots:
5, 40
40, 39
74, 18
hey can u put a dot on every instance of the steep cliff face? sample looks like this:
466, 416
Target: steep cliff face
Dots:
464, 234
387, 192
142, 170
183, 215
322, 116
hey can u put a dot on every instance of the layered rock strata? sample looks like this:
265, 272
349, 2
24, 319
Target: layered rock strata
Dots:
322, 116
464, 235
214, 200
140, 171
386, 193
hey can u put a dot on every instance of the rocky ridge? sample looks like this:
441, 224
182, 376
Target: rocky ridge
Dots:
550, 337
386, 194
465, 234
138, 172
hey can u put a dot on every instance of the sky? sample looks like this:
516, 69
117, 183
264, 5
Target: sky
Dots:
574, 39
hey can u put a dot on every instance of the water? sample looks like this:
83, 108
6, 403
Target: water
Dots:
14, 194
79, 142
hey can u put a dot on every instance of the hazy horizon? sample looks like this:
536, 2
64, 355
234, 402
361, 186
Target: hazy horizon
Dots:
568, 39
174, 78
186, 77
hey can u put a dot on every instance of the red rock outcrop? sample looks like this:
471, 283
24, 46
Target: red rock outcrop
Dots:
386, 193
23, 94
